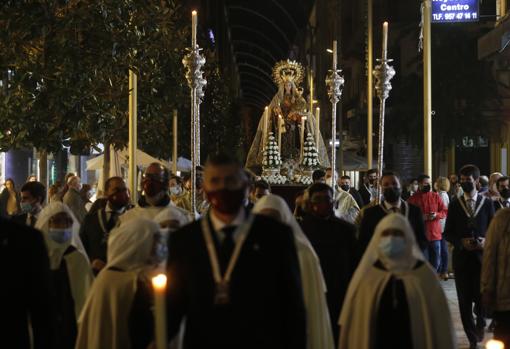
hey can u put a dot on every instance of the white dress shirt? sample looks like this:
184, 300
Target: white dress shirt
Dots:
218, 225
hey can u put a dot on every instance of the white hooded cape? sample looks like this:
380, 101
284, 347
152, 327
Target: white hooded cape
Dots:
319, 334
77, 262
431, 324
104, 320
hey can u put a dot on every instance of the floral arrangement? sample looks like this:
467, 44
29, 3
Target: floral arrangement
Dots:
275, 178
303, 179
310, 155
271, 154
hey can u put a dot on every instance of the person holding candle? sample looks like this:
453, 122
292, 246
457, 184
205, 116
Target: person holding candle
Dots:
117, 313
234, 276
70, 268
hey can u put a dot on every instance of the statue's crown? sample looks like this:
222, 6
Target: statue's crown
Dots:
288, 71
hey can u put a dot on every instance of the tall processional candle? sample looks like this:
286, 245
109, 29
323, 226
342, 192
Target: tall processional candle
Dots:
280, 120
317, 126
495, 344
385, 41
193, 29
159, 285
174, 150
265, 131
302, 135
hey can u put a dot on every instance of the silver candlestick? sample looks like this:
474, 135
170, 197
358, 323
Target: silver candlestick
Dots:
193, 62
334, 84
383, 73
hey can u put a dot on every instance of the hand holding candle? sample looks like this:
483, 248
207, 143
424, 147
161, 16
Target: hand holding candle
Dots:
159, 285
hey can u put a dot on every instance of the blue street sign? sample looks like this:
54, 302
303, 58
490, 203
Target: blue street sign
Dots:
451, 11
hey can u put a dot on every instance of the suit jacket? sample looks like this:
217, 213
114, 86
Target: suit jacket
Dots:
74, 201
26, 295
365, 195
266, 307
373, 215
457, 227
94, 234
356, 195
498, 205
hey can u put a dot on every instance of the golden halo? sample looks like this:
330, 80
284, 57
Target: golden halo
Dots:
288, 71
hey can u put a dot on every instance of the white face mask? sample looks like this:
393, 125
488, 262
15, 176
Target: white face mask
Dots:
60, 235
177, 190
392, 246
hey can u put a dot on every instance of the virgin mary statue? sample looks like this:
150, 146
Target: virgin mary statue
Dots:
288, 105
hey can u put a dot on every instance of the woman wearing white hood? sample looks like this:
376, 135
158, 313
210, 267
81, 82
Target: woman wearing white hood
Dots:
118, 314
319, 334
70, 267
394, 299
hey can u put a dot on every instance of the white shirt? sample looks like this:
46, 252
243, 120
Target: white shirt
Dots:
472, 204
109, 209
218, 224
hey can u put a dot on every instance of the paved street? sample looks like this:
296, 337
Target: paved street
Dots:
449, 287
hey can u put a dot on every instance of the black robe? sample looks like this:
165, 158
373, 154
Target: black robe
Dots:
393, 322
266, 308
334, 241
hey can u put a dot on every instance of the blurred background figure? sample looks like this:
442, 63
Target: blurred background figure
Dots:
442, 187
483, 186
368, 190
493, 187
260, 189
33, 195
319, 176
70, 267
178, 194
73, 198
394, 299
411, 189
55, 192
86, 193
9, 200
344, 182
32, 178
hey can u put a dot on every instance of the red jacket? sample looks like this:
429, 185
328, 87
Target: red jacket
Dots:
430, 202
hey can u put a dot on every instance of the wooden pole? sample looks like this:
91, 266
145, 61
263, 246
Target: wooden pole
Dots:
132, 145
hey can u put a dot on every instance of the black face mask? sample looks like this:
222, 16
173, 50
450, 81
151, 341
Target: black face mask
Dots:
345, 187
505, 193
467, 187
392, 194
426, 188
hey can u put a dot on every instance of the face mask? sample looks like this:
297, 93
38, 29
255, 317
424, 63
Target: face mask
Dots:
426, 188
392, 246
345, 187
119, 200
505, 193
60, 235
227, 201
467, 187
175, 190
27, 207
392, 194
159, 254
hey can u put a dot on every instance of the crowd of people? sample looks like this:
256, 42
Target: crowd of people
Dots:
337, 268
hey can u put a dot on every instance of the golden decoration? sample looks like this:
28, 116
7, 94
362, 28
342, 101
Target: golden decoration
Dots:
288, 71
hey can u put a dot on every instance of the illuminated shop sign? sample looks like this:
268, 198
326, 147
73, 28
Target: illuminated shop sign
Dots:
451, 11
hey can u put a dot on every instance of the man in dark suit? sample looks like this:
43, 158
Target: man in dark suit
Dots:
97, 224
26, 296
345, 185
392, 202
260, 305
368, 189
467, 222
33, 195
334, 241
503, 186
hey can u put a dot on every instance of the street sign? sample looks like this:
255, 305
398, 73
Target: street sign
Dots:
452, 11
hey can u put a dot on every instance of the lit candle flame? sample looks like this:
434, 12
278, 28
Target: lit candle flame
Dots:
159, 282
494, 344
